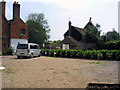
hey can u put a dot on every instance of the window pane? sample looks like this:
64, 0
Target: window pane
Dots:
22, 46
22, 31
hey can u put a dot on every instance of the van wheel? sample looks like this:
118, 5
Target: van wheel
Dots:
31, 56
39, 55
18, 57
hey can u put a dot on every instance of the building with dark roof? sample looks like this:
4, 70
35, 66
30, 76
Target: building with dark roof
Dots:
73, 38
13, 31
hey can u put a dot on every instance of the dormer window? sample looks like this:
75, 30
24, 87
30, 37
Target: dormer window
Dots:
23, 31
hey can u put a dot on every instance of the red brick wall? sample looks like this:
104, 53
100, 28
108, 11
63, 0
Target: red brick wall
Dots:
16, 29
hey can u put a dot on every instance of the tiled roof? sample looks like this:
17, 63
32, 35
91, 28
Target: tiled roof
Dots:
68, 38
78, 29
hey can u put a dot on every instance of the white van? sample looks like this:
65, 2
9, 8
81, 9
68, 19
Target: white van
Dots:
28, 50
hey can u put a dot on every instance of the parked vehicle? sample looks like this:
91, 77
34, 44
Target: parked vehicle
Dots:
28, 50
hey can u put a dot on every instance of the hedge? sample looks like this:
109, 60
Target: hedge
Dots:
0, 53
110, 45
83, 54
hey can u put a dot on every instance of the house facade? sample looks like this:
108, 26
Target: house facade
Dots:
73, 38
14, 31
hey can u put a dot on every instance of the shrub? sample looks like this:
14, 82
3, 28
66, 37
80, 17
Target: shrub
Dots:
118, 55
95, 53
110, 45
68, 53
43, 52
63, 53
104, 54
99, 56
114, 54
47, 52
51, 53
9, 52
79, 54
0, 53
58, 53
74, 53
88, 54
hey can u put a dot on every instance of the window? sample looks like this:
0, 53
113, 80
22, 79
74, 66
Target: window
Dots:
22, 31
5, 45
22, 46
33, 47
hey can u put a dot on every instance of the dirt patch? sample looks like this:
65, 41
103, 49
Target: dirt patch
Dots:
49, 72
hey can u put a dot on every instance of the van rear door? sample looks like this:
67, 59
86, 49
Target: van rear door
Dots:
22, 49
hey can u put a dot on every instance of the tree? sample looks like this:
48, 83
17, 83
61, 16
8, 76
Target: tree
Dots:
55, 42
38, 28
112, 35
92, 34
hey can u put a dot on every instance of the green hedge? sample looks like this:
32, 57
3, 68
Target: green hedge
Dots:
0, 53
81, 54
110, 45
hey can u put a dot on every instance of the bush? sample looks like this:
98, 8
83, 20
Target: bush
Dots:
88, 54
9, 52
51, 53
74, 53
99, 56
43, 52
63, 53
68, 53
58, 53
47, 52
95, 54
81, 54
0, 53
110, 45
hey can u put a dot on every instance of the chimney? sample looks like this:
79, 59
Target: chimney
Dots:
2, 7
90, 19
16, 10
69, 28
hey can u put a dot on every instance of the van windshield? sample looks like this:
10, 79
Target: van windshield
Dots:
22, 46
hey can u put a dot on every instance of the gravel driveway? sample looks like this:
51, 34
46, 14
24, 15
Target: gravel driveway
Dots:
49, 72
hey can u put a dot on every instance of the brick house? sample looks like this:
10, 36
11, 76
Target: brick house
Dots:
13, 31
73, 38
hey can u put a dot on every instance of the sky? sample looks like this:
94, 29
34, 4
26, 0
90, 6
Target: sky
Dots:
59, 12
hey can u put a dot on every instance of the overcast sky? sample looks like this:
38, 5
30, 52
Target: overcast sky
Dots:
58, 12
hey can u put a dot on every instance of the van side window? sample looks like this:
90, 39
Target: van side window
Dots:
33, 46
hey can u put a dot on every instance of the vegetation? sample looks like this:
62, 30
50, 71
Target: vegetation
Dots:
38, 28
0, 53
112, 35
84, 54
110, 41
110, 45
55, 42
9, 52
92, 34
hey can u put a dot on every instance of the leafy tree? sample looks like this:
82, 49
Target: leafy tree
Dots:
38, 28
98, 26
112, 35
92, 34
55, 42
